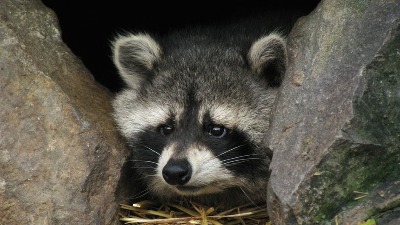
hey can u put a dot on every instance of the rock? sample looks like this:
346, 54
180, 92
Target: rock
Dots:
336, 129
60, 154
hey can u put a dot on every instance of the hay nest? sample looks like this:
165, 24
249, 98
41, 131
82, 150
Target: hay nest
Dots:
149, 212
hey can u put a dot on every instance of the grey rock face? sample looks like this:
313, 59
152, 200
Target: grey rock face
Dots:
336, 130
60, 155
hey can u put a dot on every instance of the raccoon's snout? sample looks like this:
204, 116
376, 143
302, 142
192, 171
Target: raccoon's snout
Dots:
177, 172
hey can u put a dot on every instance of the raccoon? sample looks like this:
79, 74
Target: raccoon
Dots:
196, 106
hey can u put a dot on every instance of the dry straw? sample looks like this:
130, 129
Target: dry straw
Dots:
149, 212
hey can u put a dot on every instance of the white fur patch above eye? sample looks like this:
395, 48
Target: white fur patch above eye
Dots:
245, 119
133, 117
224, 115
229, 117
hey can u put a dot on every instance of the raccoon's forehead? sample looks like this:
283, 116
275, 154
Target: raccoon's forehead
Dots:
203, 61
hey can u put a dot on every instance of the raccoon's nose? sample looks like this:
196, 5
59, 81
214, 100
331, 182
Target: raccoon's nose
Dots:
177, 172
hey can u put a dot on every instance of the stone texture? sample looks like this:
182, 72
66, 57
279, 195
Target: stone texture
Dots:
336, 129
60, 155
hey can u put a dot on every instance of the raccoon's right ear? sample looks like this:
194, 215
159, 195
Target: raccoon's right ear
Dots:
267, 58
134, 55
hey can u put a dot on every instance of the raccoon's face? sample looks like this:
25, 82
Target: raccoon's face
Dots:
195, 119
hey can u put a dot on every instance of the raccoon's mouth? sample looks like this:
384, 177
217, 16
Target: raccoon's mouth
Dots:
189, 189
196, 190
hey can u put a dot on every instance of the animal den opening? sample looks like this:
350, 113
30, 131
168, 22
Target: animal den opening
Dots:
88, 29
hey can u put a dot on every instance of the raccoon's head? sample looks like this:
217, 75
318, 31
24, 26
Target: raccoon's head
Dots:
195, 112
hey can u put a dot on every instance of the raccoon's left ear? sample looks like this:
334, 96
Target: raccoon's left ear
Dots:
267, 58
135, 55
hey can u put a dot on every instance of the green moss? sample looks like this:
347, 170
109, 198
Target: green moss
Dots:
369, 154
369, 222
348, 170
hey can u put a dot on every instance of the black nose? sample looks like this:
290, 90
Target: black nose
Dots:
177, 172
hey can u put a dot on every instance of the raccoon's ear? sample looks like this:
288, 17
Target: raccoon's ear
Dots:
267, 58
134, 55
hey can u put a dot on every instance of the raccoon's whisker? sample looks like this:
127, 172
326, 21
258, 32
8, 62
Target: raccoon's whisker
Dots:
144, 167
238, 157
249, 198
145, 178
134, 160
237, 161
154, 175
231, 149
141, 194
151, 149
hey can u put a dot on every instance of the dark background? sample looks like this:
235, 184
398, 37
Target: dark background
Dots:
89, 26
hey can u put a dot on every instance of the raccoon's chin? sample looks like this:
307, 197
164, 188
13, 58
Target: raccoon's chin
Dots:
196, 190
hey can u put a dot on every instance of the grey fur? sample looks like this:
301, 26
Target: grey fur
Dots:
226, 75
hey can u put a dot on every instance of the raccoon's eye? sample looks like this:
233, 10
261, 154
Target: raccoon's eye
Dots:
217, 131
166, 129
